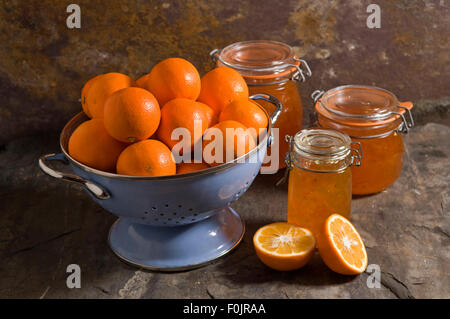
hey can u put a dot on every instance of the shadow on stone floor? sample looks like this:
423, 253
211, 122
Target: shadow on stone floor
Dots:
253, 271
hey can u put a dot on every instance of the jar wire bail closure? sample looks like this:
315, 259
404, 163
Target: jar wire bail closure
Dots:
356, 154
385, 115
355, 160
289, 67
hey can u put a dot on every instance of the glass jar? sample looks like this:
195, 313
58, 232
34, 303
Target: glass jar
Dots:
270, 67
374, 118
320, 178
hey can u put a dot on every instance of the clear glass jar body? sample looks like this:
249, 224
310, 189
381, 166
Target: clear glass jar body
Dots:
382, 165
270, 67
320, 183
376, 119
312, 197
291, 118
382, 156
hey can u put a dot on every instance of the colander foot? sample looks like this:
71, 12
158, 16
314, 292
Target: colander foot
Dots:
180, 247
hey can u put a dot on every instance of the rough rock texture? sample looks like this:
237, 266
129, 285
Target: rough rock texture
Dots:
46, 224
44, 64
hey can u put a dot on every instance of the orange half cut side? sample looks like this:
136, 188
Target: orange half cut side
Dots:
341, 246
284, 246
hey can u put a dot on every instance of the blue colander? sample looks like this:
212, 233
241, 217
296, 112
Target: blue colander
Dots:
169, 223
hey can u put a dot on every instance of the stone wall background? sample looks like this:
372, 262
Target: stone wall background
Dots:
43, 64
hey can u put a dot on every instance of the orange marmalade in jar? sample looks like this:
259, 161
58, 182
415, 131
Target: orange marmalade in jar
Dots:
374, 118
320, 178
270, 67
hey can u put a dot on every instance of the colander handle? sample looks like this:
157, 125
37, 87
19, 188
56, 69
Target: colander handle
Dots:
274, 116
271, 99
94, 189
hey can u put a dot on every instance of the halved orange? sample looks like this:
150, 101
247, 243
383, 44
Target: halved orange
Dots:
284, 246
341, 247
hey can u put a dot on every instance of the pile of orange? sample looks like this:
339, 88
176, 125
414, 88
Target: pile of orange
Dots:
132, 123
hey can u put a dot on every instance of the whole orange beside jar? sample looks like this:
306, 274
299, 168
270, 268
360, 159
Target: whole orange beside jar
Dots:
270, 67
376, 119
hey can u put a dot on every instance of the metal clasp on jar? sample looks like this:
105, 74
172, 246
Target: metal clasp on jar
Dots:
405, 126
214, 54
287, 160
299, 73
357, 154
317, 94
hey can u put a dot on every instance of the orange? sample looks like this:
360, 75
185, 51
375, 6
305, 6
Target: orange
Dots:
141, 81
341, 247
284, 246
183, 113
184, 168
242, 143
91, 145
131, 114
84, 93
246, 112
101, 88
146, 158
221, 86
211, 115
173, 78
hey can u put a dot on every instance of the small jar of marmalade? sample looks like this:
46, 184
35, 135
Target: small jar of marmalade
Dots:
374, 118
270, 67
320, 177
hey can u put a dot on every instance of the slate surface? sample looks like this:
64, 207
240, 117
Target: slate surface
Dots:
46, 224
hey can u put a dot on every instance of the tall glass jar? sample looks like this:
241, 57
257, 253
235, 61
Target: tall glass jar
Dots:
270, 67
320, 178
376, 119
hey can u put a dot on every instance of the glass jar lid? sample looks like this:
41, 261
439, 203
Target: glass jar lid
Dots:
262, 59
360, 105
322, 144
